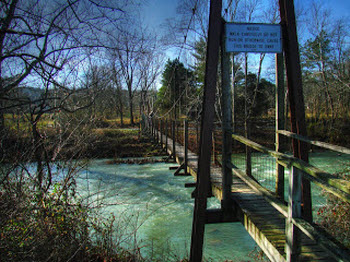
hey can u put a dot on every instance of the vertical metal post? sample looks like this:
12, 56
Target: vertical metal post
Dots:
157, 129
233, 93
213, 148
152, 130
161, 133
174, 142
248, 152
203, 171
294, 211
226, 108
296, 98
186, 144
166, 134
197, 137
279, 125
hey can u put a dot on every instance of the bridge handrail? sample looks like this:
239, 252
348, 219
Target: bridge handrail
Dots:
337, 186
335, 148
307, 228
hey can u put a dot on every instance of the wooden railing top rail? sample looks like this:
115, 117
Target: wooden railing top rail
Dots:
335, 148
335, 185
303, 225
339, 187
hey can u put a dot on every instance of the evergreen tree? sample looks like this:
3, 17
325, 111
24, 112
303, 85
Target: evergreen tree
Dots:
316, 67
177, 87
259, 100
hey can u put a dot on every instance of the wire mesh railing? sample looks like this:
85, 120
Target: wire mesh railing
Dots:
217, 146
193, 136
331, 189
329, 211
264, 170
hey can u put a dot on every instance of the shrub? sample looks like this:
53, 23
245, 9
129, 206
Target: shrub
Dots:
37, 228
54, 226
334, 217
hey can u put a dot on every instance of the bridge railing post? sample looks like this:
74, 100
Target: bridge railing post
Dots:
293, 240
248, 151
152, 128
203, 179
186, 144
166, 134
226, 108
161, 132
279, 115
174, 138
158, 130
197, 137
157, 133
213, 146
295, 92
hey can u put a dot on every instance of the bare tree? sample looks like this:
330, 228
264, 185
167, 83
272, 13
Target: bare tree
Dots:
43, 51
190, 25
116, 78
150, 67
319, 28
39, 41
128, 59
136, 60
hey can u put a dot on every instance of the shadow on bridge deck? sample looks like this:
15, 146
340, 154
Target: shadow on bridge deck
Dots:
262, 221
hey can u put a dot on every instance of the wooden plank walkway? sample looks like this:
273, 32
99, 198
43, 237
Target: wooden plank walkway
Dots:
261, 220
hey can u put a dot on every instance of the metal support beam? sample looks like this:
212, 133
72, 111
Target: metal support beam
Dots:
173, 131
279, 114
203, 182
161, 133
157, 129
226, 108
186, 144
166, 134
214, 216
296, 98
294, 211
177, 171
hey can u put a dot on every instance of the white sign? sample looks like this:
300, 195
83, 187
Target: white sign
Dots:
256, 38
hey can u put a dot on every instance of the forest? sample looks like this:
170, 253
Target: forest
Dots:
76, 77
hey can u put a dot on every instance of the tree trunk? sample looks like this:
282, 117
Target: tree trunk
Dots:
329, 98
121, 109
131, 105
38, 156
2, 121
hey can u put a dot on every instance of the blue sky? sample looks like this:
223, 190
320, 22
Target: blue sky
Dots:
156, 11
341, 7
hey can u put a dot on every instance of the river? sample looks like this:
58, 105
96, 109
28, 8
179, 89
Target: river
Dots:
154, 211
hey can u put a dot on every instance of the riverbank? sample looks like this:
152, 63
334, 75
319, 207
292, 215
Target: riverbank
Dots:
120, 143
112, 143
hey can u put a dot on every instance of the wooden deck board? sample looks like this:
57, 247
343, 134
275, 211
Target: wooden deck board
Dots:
261, 220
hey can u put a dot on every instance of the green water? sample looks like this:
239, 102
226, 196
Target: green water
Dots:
154, 209
263, 169
150, 199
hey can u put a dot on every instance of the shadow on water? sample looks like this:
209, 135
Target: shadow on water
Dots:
136, 185
154, 197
